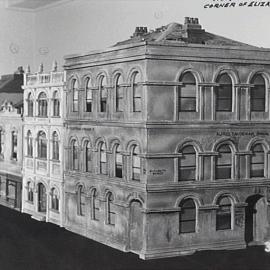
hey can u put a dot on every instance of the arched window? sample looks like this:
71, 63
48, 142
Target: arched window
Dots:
224, 94
118, 162
55, 146
75, 155
29, 140
14, 145
136, 92
42, 105
1, 141
30, 105
224, 214
224, 162
30, 192
110, 209
102, 158
257, 161
187, 164
88, 157
187, 218
54, 199
103, 95
88, 95
75, 95
56, 104
119, 94
80, 201
257, 94
136, 163
42, 145
94, 205
187, 93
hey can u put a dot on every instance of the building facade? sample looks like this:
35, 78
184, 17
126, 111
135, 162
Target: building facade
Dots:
44, 110
167, 146
11, 133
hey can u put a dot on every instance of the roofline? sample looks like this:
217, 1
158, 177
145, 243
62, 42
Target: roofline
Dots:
249, 48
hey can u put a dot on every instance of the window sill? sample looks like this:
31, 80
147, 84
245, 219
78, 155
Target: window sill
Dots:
54, 211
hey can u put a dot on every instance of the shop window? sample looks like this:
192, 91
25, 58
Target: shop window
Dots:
224, 162
187, 222
224, 94
257, 94
42, 105
187, 164
42, 145
257, 161
224, 214
187, 93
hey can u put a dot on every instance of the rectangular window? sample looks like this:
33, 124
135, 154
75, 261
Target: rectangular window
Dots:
257, 99
224, 98
223, 221
56, 107
118, 166
187, 221
136, 169
137, 98
95, 209
11, 191
14, 146
103, 163
119, 99
89, 100
187, 98
103, 100
55, 150
187, 167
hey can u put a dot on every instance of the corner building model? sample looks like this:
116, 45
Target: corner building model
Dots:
167, 145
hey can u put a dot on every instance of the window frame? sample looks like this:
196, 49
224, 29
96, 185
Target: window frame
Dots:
220, 216
81, 201
118, 166
75, 95
103, 95
187, 220
264, 163
220, 88
74, 155
119, 97
42, 105
29, 144
181, 88
56, 104
55, 200
136, 85
110, 214
254, 96
220, 166
55, 147
30, 101
42, 143
88, 101
95, 208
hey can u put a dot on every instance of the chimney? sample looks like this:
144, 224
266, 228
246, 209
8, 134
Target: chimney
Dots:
140, 31
19, 70
192, 23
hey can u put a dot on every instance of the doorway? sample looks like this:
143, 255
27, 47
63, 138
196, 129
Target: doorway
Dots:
136, 226
256, 222
42, 198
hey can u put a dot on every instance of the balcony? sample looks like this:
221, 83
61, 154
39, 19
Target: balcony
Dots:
56, 77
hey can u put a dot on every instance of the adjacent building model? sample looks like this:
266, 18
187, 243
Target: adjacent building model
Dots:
167, 143
11, 130
43, 172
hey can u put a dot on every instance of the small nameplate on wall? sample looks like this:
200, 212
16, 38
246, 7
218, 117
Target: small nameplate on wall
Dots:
242, 133
157, 171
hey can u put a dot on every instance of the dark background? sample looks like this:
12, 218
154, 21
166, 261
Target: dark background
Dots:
32, 245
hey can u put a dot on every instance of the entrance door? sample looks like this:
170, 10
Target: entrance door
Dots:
42, 198
256, 220
136, 226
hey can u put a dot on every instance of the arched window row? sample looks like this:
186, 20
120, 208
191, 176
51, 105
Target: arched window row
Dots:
224, 93
97, 95
54, 196
188, 215
225, 162
38, 106
41, 145
110, 209
99, 159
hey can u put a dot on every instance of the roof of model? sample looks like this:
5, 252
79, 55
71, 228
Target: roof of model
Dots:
190, 32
